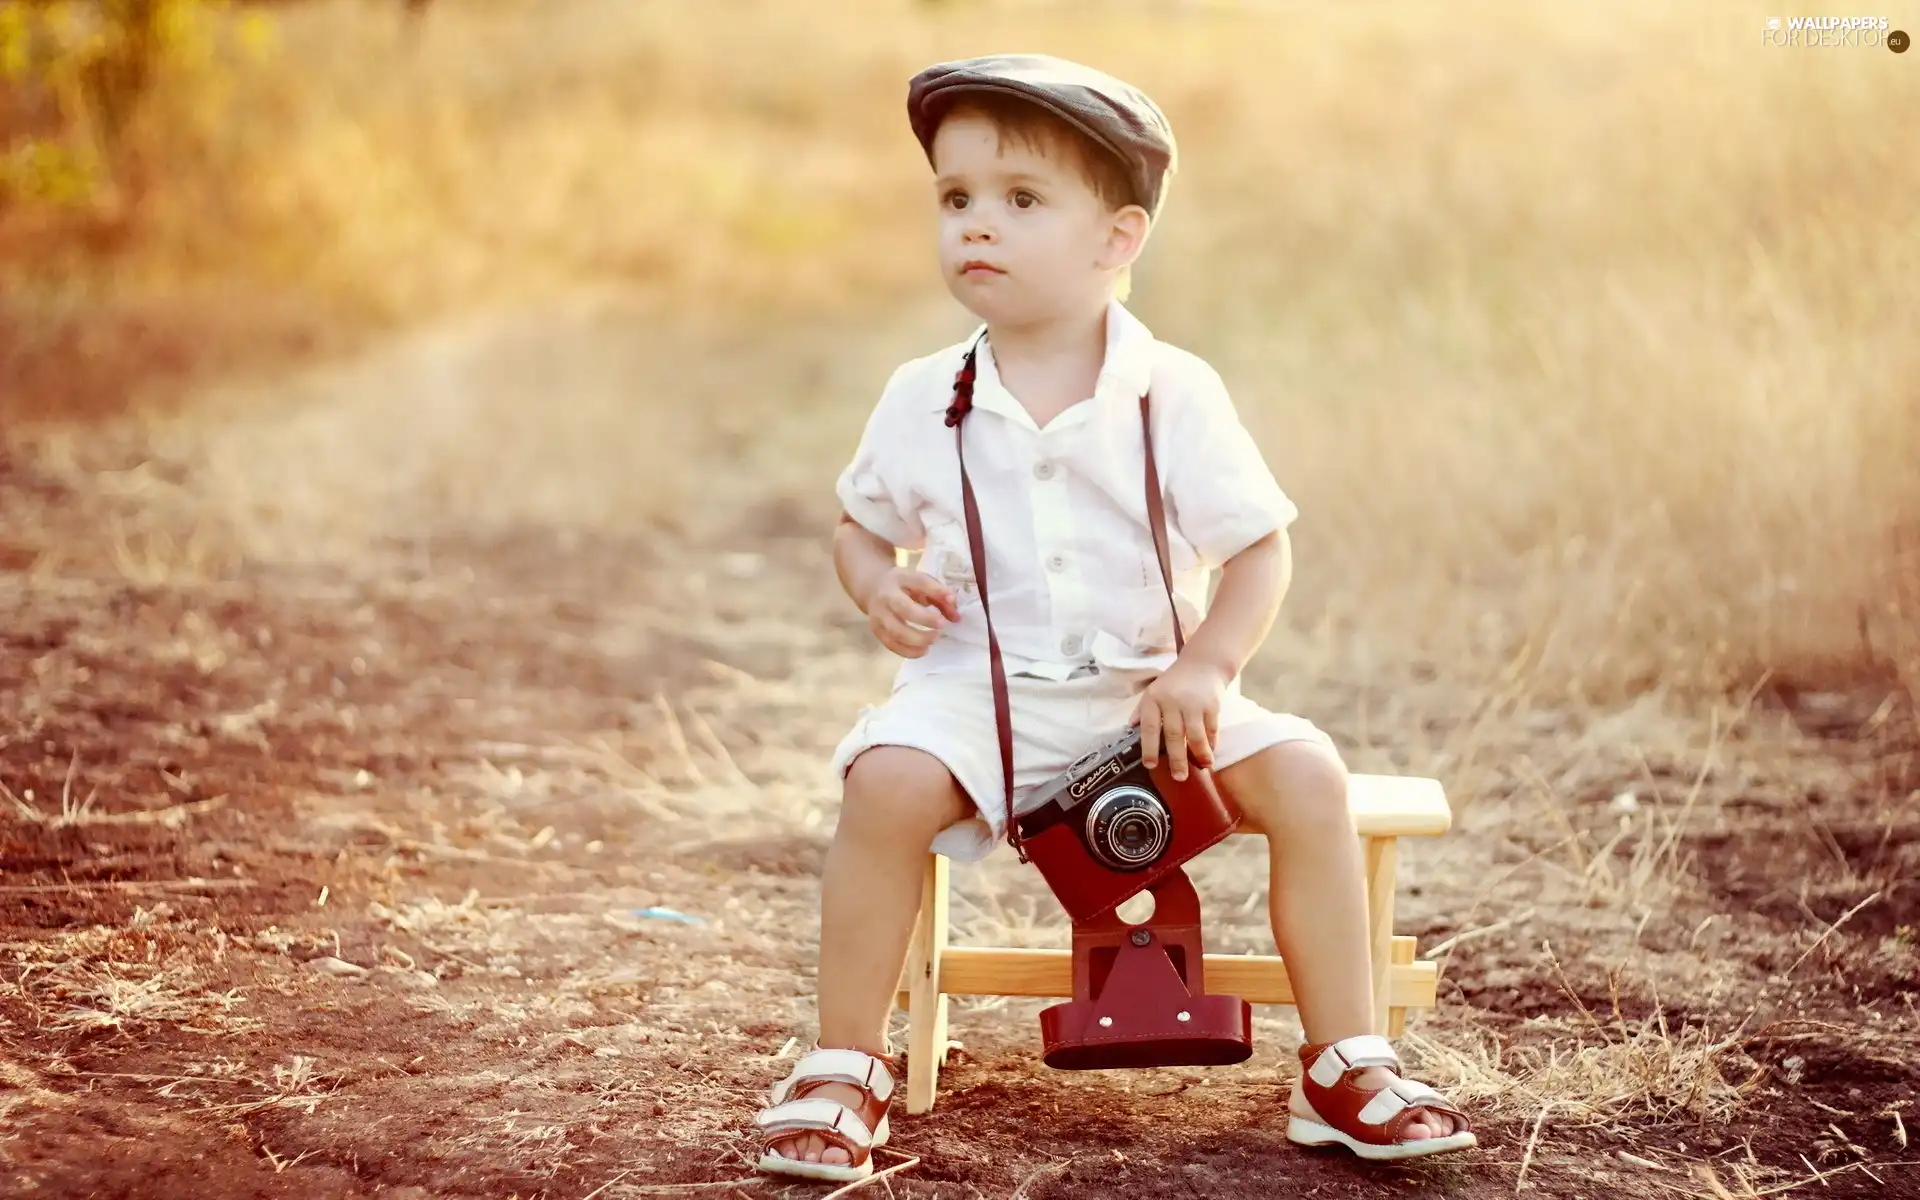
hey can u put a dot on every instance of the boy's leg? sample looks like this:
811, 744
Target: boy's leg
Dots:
1296, 793
896, 799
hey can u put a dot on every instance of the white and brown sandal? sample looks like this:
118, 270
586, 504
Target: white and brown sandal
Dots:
1330, 1109
792, 1112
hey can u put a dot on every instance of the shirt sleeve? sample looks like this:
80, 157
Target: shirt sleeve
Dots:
873, 487
1222, 495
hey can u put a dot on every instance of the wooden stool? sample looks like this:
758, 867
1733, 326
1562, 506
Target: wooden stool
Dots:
1385, 809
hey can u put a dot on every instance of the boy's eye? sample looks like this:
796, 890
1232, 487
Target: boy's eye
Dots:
955, 199
1022, 198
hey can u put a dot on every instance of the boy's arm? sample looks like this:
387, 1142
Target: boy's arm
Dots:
1181, 709
1245, 606
861, 558
905, 609
879, 512
1232, 510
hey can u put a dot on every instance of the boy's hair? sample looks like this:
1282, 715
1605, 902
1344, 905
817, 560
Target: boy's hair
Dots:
1044, 133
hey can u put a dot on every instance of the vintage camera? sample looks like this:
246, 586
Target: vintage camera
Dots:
1107, 828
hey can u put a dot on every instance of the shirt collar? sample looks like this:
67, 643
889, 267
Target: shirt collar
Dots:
1128, 369
1125, 373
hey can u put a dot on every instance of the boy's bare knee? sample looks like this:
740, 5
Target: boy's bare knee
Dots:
1293, 790
897, 790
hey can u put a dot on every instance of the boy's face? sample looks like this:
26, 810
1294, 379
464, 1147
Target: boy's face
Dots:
1023, 237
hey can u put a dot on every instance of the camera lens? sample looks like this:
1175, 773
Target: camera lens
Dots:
1128, 828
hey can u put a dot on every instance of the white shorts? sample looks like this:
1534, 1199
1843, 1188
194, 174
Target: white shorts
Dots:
1054, 723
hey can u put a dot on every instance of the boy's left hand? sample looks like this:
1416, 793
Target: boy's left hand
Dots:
1183, 707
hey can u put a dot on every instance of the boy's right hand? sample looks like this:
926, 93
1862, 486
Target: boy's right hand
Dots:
906, 610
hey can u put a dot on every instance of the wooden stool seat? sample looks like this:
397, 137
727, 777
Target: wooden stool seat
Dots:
1385, 808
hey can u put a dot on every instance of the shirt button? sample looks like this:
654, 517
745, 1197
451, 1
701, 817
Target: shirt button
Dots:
1070, 644
1043, 469
1056, 562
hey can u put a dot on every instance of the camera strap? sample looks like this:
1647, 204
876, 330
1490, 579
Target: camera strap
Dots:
976, 541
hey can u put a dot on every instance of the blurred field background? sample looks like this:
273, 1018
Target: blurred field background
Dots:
1587, 339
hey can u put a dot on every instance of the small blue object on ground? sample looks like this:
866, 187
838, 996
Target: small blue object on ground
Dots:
668, 914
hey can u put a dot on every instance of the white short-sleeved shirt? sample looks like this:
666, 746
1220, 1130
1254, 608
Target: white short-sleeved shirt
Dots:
1070, 556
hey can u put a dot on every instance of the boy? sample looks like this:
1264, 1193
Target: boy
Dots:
1048, 177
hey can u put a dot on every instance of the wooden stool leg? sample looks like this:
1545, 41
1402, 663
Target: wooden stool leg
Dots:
1401, 955
1382, 860
926, 1004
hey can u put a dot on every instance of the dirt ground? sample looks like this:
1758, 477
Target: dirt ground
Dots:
330, 880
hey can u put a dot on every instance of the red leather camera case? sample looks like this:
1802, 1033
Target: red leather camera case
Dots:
1139, 994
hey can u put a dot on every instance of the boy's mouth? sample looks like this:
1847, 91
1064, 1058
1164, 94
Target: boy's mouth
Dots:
976, 267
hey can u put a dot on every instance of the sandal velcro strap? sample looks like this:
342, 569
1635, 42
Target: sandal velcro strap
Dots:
817, 1116
1352, 1054
854, 1067
1396, 1098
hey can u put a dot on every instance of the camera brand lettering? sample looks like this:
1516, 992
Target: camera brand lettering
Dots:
1107, 771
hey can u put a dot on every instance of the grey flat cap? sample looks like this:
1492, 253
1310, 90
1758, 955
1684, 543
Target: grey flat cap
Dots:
1115, 114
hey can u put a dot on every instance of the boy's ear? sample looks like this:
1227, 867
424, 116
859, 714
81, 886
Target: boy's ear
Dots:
1126, 237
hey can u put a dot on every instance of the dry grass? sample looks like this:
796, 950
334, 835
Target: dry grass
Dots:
1602, 1075
123, 980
